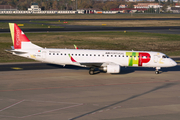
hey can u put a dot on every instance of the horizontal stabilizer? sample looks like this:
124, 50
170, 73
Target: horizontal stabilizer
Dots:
12, 47
16, 51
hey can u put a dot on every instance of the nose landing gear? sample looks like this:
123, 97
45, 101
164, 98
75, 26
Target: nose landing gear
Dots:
157, 70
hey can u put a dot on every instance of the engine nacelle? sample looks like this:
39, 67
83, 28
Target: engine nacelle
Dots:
113, 68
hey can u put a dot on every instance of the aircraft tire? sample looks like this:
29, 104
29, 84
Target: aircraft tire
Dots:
91, 72
156, 72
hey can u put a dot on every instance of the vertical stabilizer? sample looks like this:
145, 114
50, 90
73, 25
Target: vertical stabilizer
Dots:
19, 39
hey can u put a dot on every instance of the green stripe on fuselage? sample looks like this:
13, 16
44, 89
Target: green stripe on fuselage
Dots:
133, 58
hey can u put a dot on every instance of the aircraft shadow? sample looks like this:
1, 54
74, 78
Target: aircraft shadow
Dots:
167, 85
124, 70
38, 66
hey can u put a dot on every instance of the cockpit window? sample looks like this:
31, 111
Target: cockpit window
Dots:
165, 56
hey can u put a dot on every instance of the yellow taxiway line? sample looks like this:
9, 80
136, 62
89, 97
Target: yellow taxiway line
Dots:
16, 68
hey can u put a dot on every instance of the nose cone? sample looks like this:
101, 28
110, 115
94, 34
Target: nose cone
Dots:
173, 63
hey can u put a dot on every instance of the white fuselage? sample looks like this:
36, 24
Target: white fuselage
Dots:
122, 58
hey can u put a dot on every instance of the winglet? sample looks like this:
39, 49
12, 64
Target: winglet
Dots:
75, 46
72, 59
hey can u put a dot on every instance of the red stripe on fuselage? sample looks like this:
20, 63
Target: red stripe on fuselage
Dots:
72, 59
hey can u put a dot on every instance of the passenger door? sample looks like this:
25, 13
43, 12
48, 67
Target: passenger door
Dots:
43, 55
156, 58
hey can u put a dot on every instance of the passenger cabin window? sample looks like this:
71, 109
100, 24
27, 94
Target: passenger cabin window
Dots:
165, 56
53, 53
49, 53
144, 57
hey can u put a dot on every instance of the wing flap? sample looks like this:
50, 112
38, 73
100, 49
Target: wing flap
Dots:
92, 64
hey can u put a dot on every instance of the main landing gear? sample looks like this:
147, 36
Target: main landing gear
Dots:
157, 70
91, 71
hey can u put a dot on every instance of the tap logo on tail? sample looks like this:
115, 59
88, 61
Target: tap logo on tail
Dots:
17, 36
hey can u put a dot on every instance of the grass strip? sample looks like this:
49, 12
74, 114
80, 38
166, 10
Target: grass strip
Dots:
5, 25
85, 16
166, 43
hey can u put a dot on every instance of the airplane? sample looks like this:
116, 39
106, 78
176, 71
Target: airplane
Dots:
110, 61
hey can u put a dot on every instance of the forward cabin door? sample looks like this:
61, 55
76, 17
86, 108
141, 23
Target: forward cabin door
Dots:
156, 58
44, 55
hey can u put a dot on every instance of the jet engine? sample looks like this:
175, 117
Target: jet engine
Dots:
112, 68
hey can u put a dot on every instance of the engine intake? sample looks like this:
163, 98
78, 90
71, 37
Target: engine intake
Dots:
113, 68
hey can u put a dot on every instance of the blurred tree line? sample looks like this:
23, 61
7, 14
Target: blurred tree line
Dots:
71, 4
64, 4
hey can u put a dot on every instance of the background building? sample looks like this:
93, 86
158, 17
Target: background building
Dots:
123, 6
34, 8
147, 5
7, 8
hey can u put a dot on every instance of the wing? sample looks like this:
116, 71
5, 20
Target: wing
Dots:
92, 64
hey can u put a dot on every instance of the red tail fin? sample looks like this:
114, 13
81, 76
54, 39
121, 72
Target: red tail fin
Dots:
17, 36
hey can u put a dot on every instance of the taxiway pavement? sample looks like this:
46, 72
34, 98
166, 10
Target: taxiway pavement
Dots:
70, 93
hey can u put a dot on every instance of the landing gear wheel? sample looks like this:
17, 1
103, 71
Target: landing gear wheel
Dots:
91, 72
156, 72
